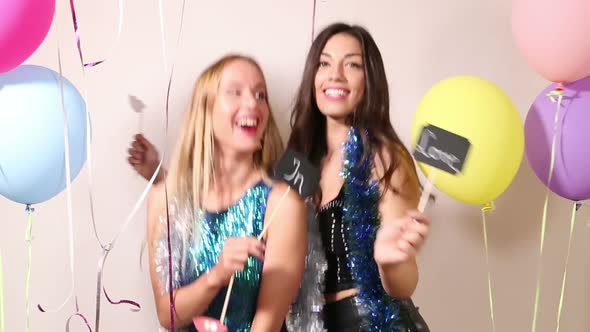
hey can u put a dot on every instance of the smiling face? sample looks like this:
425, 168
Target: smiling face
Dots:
240, 111
340, 78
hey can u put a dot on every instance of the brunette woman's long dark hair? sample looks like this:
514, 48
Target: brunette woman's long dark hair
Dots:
308, 124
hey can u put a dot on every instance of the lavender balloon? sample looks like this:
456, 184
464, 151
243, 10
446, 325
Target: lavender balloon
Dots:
571, 173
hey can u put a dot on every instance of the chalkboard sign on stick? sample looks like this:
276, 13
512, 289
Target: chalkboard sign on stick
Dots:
298, 172
442, 150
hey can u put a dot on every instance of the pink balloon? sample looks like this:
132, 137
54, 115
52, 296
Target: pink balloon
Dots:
23, 27
553, 37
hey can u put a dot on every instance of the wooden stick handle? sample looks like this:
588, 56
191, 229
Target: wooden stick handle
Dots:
271, 217
264, 230
227, 295
427, 190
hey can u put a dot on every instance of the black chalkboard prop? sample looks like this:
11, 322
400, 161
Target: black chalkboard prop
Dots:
443, 150
298, 172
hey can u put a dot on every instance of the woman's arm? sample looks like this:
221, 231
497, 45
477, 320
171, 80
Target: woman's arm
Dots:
144, 158
193, 299
284, 261
402, 230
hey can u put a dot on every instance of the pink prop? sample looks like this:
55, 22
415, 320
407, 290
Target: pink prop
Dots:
208, 324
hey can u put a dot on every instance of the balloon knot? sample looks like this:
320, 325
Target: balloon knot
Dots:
488, 207
559, 87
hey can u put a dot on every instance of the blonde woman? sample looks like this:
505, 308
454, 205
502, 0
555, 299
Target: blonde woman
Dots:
220, 199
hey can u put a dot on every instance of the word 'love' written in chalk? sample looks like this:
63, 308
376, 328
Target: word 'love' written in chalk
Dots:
441, 149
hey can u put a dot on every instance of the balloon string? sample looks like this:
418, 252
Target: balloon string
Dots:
78, 39
69, 205
164, 154
1, 295
484, 211
72, 291
313, 20
29, 240
105, 247
559, 93
567, 258
165, 62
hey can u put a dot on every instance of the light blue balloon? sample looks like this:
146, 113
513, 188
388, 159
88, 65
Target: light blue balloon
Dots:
32, 147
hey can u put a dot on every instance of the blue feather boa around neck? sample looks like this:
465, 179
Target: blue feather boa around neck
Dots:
361, 219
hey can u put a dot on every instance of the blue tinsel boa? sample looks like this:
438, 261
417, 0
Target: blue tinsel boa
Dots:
361, 218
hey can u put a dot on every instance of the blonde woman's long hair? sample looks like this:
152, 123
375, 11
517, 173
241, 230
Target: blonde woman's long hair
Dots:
192, 170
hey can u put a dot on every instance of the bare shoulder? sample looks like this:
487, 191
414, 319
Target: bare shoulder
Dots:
404, 179
288, 199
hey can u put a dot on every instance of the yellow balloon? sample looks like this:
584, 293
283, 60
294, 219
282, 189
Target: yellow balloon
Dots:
484, 114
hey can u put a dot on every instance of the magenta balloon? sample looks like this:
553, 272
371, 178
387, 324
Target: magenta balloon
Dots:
23, 27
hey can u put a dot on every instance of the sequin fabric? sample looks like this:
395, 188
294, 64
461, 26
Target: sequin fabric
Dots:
361, 218
195, 251
306, 312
